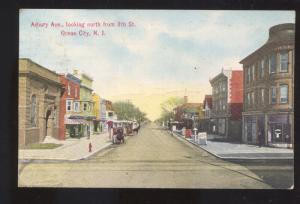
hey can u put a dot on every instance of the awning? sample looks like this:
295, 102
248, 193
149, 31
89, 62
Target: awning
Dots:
69, 121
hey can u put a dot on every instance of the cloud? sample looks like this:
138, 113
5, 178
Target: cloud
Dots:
157, 56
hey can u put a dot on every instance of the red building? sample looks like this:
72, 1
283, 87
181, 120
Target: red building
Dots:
227, 104
69, 102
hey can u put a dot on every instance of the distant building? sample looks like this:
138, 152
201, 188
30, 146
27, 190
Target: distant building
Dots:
96, 112
206, 124
269, 90
70, 108
188, 113
39, 102
227, 104
86, 101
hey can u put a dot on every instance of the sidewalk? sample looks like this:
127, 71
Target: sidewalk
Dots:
71, 149
232, 151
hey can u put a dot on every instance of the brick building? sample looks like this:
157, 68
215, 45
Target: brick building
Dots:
39, 102
227, 104
188, 114
269, 90
69, 106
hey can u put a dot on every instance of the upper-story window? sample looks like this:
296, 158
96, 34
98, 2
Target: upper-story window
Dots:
33, 114
85, 106
76, 106
283, 61
253, 72
273, 95
248, 98
262, 68
283, 93
69, 105
69, 90
252, 98
262, 95
249, 74
272, 63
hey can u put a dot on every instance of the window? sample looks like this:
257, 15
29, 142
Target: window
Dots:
33, 111
283, 93
69, 105
84, 106
262, 68
248, 74
253, 72
248, 98
76, 106
272, 63
75, 91
224, 87
273, 95
252, 98
262, 94
284, 61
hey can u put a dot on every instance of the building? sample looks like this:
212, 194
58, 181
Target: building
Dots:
39, 102
188, 114
86, 102
70, 108
269, 90
206, 122
98, 126
227, 104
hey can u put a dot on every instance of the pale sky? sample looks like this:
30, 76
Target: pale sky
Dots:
153, 60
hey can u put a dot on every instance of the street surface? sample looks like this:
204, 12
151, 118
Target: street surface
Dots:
155, 159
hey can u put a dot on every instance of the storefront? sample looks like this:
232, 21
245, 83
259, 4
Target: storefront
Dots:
75, 127
279, 130
254, 129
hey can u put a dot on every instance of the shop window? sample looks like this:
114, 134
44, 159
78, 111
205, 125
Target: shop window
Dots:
283, 93
69, 105
272, 63
33, 113
273, 95
284, 61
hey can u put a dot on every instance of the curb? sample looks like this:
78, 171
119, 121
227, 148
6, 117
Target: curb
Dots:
29, 160
92, 153
230, 158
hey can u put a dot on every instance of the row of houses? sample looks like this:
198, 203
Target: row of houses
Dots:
254, 105
58, 105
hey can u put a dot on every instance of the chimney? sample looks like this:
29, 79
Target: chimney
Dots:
185, 99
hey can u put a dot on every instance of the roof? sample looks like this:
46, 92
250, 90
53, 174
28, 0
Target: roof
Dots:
281, 34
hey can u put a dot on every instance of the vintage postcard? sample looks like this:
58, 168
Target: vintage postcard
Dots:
156, 99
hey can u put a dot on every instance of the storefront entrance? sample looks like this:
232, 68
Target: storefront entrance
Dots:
279, 129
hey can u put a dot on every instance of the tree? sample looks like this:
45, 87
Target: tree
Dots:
125, 110
167, 107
